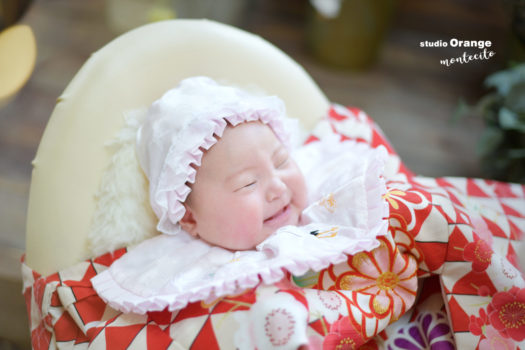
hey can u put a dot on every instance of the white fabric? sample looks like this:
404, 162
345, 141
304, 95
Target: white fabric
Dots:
346, 214
183, 122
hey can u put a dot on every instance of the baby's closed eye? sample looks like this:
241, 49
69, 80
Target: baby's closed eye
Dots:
245, 184
281, 159
249, 184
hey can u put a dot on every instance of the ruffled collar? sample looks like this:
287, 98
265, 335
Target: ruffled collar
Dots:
345, 216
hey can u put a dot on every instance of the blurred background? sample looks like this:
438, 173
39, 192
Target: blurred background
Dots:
363, 53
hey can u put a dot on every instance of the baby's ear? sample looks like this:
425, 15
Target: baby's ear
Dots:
188, 222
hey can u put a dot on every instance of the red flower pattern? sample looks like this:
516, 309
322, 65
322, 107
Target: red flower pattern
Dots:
480, 253
498, 326
494, 341
477, 323
343, 336
279, 326
385, 273
507, 313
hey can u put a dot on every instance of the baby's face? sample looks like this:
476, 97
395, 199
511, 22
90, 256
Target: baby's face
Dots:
246, 188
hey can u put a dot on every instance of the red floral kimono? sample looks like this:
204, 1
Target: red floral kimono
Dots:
445, 276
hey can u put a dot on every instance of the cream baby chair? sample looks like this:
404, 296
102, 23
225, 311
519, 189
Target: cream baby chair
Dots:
67, 208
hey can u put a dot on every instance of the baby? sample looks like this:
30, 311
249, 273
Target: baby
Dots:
246, 188
233, 203
228, 148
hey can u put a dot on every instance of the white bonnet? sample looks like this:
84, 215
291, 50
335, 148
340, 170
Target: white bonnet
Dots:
182, 123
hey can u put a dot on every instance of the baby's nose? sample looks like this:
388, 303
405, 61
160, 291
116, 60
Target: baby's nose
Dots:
276, 189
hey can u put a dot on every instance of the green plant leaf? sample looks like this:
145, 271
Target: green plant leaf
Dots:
510, 120
490, 139
503, 81
488, 106
515, 100
489, 101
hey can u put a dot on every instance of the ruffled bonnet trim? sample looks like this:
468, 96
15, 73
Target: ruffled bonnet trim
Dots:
183, 124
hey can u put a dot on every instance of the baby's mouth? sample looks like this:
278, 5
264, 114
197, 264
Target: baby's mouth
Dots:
281, 215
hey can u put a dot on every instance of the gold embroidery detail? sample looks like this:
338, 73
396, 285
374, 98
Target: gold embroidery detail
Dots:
511, 314
388, 196
481, 253
346, 343
380, 309
346, 283
329, 203
358, 259
388, 280
328, 233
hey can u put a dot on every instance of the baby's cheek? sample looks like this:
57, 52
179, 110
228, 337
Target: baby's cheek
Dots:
299, 190
251, 219
249, 222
